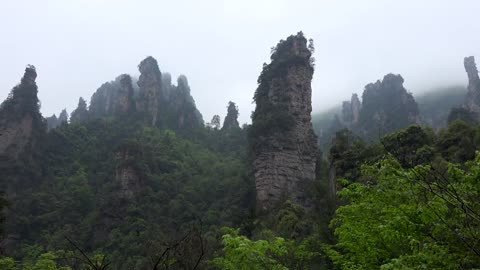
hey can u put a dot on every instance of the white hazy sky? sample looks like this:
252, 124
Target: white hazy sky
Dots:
221, 45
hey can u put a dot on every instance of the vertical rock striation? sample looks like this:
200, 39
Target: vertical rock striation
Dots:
150, 83
102, 100
124, 103
20, 118
472, 102
178, 109
152, 99
356, 107
470, 111
156, 101
115, 98
281, 136
351, 111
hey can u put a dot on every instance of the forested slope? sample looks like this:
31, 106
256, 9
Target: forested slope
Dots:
137, 181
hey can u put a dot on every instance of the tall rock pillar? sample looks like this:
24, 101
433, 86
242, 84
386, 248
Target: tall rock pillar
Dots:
20, 119
281, 136
124, 103
150, 83
473, 96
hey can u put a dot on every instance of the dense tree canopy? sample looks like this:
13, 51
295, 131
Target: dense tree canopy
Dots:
425, 217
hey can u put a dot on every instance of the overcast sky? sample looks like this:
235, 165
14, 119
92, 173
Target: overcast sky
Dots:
221, 45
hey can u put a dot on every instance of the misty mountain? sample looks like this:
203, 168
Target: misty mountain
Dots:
434, 108
436, 104
136, 180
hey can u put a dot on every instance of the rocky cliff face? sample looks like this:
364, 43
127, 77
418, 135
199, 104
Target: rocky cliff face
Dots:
115, 98
231, 120
281, 135
178, 109
20, 119
150, 93
351, 111
124, 102
102, 100
387, 107
470, 111
356, 107
472, 102
156, 100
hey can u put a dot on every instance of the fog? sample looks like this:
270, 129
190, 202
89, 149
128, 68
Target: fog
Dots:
221, 45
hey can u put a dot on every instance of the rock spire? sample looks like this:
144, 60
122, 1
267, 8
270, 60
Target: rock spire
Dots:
281, 136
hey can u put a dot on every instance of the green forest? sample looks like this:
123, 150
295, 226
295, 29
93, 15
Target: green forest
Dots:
139, 181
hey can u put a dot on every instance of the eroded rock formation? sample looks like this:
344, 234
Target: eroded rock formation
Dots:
178, 110
112, 99
153, 98
150, 83
281, 135
470, 111
124, 102
231, 120
472, 102
356, 107
101, 102
351, 111
386, 107
20, 119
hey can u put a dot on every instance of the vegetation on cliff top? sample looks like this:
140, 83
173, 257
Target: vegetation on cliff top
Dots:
116, 193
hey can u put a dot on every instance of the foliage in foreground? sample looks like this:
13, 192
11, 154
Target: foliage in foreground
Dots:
278, 253
46, 261
426, 217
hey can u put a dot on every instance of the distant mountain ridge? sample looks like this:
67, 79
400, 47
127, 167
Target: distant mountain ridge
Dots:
433, 108
152, 98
